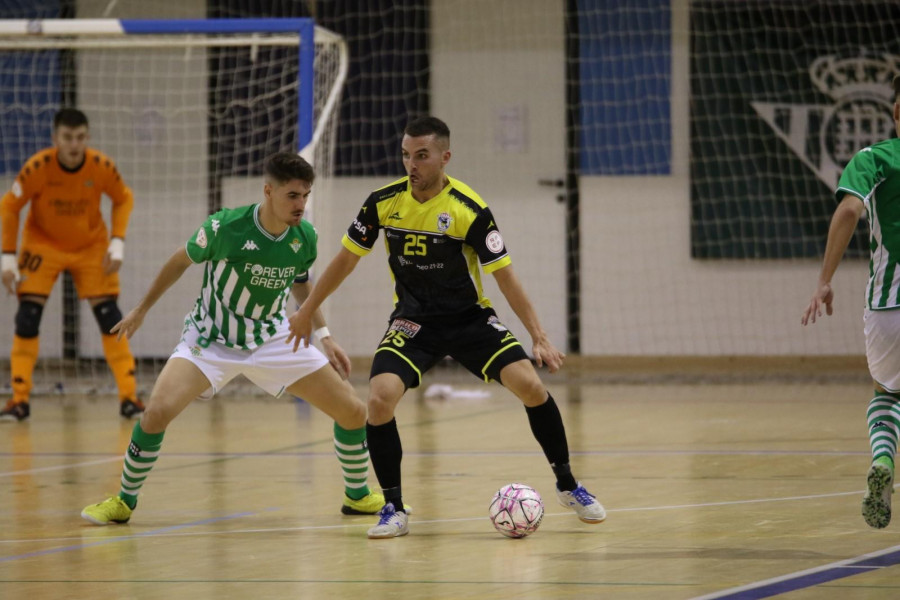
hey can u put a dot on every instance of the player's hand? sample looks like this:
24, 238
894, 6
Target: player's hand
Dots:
337, 357
300, 325
824, 297
10, 273
112, 260
129, 324
545, 353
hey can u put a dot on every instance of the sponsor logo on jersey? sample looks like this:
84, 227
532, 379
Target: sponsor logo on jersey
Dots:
444, 220
196, 350
396, 216
16, 189
215, 226
296, 245
494, 242
404, 326
249, 245
270, 277
494, 322
826, 136
201, 238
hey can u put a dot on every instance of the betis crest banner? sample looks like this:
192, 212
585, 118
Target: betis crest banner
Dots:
783, 94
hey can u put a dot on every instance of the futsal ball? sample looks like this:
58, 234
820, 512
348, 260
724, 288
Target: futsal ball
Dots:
516, 510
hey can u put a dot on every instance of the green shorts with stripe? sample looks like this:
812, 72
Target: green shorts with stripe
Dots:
477, 340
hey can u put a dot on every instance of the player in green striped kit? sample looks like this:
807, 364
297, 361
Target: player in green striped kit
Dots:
254, 257
871, 183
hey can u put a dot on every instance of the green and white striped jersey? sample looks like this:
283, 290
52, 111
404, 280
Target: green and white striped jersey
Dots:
248, 276
874, 176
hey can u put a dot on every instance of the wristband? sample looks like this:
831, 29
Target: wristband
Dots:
322, 332
116, 248
8, 262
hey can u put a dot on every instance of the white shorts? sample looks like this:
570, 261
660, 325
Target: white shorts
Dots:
273, 366
882, 329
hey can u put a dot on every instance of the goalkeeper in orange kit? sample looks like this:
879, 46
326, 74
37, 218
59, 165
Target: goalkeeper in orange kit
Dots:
64, 231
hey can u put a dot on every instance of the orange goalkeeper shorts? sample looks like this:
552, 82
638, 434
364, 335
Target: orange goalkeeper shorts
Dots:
40, 263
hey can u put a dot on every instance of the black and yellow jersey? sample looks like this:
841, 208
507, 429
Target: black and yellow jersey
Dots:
434, 248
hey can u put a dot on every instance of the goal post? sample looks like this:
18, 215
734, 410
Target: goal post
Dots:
188, 109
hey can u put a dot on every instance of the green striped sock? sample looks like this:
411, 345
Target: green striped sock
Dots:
353, 454
883, 417
139, 459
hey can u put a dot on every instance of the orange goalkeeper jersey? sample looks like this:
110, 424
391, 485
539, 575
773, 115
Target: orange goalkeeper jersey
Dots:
65, 205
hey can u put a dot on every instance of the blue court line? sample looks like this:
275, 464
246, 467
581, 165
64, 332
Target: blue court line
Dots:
126, 537
888, 557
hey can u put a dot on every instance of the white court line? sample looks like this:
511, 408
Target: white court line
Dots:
459, 520
61, 467
841, 564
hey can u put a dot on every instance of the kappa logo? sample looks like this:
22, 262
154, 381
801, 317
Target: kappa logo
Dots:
860, 116
249, 245
134, 449
215, 226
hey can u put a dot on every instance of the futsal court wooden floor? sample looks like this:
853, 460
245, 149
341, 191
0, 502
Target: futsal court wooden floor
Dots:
710, 488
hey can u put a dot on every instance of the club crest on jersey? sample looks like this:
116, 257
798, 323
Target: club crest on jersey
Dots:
201, 238
89, 183
296, 245
16, 189
249, 245
444, 220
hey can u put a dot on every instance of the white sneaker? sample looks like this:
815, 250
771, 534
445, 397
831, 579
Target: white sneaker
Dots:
584, 504
391, 524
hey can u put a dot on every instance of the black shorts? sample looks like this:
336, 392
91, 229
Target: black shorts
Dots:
478, 341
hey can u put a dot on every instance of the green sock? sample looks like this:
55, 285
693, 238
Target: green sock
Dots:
139, 459
353, 454
883, 418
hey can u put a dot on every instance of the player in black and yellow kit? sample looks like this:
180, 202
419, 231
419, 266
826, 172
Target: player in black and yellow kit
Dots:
437, 232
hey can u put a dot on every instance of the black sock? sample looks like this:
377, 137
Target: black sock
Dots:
386, 453
548, 429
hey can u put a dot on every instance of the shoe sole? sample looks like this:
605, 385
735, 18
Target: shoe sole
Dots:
88, 517
580, 518
388, 536
875, 510
349, 510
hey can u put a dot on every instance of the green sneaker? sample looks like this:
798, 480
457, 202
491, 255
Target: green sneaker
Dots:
367, 505
111, 510
876, 505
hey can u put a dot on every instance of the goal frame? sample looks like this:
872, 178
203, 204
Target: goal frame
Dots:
16, 33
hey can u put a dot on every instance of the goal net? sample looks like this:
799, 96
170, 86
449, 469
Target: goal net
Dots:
189, 110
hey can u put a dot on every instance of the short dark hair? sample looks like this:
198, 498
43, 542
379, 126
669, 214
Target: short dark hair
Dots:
427, 125
287, 166
896, 87
70, 117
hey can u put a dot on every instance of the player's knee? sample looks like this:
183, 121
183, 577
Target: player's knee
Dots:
28, 319
380, 409
107, 315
